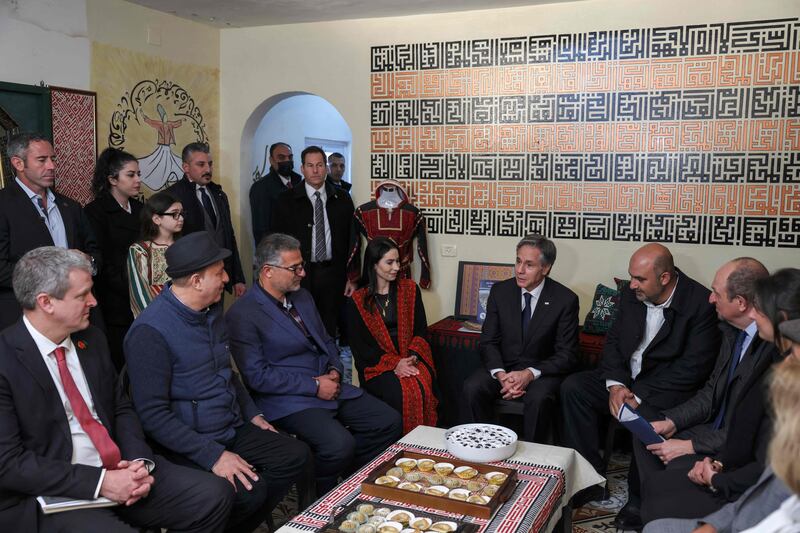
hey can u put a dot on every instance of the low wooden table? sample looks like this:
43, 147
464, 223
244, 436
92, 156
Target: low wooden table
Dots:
548, 477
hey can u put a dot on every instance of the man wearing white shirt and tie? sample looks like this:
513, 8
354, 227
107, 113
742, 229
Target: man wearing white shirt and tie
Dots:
529, 341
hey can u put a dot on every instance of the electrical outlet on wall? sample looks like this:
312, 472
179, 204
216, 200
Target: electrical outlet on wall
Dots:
449, 250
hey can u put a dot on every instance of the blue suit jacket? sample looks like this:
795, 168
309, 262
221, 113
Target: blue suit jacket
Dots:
276, 360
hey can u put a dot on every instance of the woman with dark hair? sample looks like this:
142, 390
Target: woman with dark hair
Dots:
114, 215
711, 482
162, 221
386, 327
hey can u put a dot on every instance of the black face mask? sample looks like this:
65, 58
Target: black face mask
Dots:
285, 168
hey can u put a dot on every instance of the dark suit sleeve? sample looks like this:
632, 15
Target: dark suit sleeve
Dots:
6, 264
280, 221
565, 348
21, 470
258, 373
259, 209
491, 334
614, 364
86, 240
150, 368
236, 274
687, 370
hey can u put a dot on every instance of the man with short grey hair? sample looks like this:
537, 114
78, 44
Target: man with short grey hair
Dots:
68, 429
529, 341
32, 214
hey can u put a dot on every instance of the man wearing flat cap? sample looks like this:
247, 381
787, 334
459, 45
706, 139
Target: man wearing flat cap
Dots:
191, 402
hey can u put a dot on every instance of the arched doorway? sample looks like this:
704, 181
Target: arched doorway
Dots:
298, 119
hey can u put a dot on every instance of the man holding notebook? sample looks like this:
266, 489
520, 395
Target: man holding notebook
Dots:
67, 429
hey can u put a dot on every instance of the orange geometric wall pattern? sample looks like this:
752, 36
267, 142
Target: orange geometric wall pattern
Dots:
687, 134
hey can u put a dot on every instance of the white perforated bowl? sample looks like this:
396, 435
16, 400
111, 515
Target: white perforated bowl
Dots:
480, 443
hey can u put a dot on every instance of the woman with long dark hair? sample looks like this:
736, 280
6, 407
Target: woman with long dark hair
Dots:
114, 215
162, 221
387, 325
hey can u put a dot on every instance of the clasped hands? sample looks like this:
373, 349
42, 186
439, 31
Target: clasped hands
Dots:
514, 383
702, 472
407, 367
329, 385
128, 483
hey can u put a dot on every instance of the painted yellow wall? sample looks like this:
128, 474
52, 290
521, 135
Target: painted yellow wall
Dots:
332, 60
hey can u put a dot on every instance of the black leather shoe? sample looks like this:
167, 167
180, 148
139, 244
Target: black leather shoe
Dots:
589, 494
629, 517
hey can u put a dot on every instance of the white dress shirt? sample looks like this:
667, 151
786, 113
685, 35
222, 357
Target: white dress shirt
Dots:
83, 449
324, 196
535, 293
52, 218
655, 319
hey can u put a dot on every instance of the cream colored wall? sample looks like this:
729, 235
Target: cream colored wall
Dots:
332, 60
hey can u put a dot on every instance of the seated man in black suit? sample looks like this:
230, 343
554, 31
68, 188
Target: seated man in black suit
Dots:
66, 427
659, 351
700, 424
529, 341
33, 215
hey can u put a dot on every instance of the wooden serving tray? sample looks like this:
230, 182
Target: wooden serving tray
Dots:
441, 502
341, 516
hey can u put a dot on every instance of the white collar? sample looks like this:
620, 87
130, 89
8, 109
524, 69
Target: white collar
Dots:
311, 190
536, 292
49, 194
669, 300
45, 345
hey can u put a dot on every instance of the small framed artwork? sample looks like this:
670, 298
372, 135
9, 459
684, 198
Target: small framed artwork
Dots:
470, 275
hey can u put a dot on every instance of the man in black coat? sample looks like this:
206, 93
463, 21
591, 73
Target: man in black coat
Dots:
336, 166
700, 424
659, 351
323, 227
206, 208
67, 428
264, 193
33, 215
529, 341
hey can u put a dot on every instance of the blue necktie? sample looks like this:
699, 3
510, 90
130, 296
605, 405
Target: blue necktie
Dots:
737, 349
526, 313
208, 207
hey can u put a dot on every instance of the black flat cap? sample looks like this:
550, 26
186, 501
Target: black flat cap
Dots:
791, 329
193, 253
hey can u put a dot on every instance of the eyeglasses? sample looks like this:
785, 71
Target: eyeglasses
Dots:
293, 269
174, 214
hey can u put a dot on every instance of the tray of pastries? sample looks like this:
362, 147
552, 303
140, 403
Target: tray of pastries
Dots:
361, 516
456, 486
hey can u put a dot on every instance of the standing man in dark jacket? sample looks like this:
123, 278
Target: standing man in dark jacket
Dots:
321, 217
659, 351
336, 166
529, 341
188, 397
206, 208
33, 215
264, 193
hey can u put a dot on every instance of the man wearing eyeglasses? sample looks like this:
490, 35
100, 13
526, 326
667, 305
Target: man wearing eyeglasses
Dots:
292, 368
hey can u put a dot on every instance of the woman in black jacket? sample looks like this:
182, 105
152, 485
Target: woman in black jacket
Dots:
114, 215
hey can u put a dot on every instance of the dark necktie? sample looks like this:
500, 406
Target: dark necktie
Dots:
320, 250
208, 206
737, 349
526, 313
108, 450
40, 202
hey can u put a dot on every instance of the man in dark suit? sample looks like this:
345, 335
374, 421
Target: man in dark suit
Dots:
321, 217
659, 351
206, 208
699, 425
264, 193
67, 429
529, 341
336, 166
292, 367
33, 215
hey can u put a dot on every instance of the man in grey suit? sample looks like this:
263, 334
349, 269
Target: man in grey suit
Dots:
699, 425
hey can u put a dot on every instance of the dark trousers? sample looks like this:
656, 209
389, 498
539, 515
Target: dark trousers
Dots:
279, 461
540, 400
345, 438
671, 494
181, 499
325, 281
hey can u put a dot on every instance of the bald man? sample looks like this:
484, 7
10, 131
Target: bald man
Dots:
658, 353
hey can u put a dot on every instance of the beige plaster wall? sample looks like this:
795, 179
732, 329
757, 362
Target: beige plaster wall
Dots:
332, 60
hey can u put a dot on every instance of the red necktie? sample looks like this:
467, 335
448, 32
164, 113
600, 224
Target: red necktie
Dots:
108, 450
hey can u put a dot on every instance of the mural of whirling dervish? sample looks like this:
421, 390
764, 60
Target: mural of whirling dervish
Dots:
162, 167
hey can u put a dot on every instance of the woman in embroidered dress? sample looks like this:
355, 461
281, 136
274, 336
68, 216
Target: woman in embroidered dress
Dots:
386, 326
162, 221
114, 216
